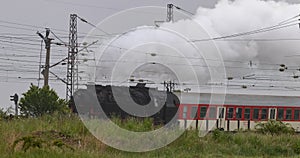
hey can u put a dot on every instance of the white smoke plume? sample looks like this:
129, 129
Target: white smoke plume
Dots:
248, 54
230, 17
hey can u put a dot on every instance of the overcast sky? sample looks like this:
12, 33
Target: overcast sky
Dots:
55, 14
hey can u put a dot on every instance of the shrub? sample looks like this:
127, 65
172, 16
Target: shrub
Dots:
274, 127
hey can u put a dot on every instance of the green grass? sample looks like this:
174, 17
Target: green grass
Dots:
215, 144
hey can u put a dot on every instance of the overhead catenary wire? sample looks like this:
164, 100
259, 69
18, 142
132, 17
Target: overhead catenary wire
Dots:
188, 57
263, 30
186, 65
179, 8
28, 27
97, 6
85, 21
289, 19
65, 43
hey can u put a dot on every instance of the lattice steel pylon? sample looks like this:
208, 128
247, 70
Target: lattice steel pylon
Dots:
72, 65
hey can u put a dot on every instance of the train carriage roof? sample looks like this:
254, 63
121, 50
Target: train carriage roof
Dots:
238, 99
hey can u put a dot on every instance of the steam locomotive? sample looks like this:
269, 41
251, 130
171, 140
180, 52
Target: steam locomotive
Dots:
165, 103
237, 112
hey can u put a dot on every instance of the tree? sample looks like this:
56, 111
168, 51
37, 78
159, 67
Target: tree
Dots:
39, 101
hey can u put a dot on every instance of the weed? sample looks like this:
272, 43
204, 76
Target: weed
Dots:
274, 127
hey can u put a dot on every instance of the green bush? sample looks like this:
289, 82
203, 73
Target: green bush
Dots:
274, 127
40, 101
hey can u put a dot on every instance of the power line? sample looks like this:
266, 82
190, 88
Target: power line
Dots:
289, 19
187, 57
101, 7
65, 44
20, 60
84, 5
85, 21
18, 38
33, 44
267, 29
179, 8
261, 39
194, 65
270, 28
18, 28
27, 27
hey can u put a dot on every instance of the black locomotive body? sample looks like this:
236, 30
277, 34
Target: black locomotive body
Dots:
109, 99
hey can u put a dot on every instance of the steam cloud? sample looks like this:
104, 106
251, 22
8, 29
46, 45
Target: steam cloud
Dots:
251, 52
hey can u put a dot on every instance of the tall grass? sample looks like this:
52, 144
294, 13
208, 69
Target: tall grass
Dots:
215, 144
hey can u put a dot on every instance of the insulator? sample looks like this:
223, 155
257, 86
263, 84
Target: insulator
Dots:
244, 86
281, 69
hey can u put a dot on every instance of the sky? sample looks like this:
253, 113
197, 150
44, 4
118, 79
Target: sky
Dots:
16, 16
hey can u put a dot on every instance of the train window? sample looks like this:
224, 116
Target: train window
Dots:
184, 112
272, 114
212, 112
296, 114
203, 110
280, 114
247, 114
221, 112
255, 114
288, 115
264, 114
230, 113
194, 112
239, 113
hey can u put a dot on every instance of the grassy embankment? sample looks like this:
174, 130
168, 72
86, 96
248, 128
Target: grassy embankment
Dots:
66, 136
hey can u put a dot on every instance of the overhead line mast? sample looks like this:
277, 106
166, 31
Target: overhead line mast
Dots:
47, 41
72, 66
